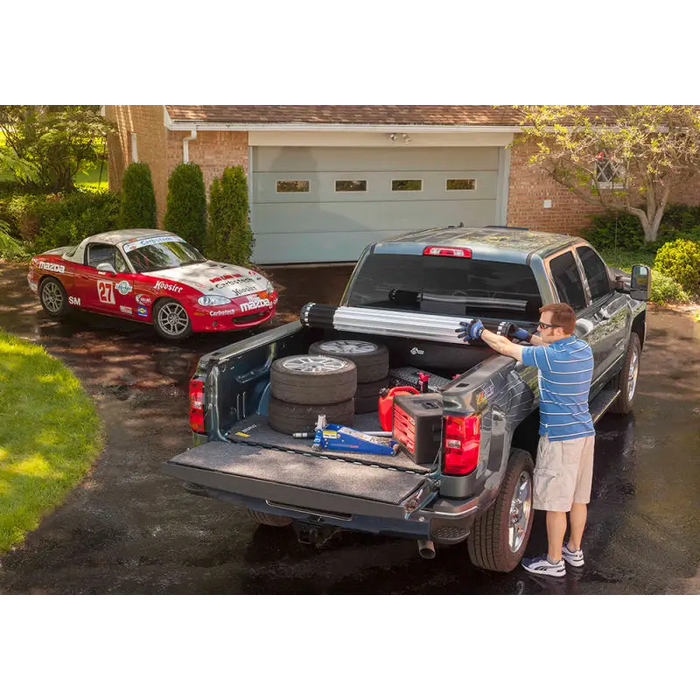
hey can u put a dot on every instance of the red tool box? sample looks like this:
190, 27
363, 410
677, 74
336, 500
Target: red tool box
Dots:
418, 425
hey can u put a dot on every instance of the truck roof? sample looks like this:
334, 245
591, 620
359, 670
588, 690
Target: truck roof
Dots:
490, 242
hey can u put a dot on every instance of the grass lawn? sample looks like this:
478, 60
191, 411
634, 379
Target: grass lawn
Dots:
50, 436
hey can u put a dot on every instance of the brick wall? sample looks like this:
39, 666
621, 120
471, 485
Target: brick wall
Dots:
211, 150
146, 121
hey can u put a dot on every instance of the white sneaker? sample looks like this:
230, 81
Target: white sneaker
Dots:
544, 567
573, 558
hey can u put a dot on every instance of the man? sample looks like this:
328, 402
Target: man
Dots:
564, 467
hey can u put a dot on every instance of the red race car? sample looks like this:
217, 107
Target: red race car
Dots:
151, 276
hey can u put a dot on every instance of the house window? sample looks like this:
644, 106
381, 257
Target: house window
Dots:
609, 174
464, 184
351, 185
292, 186
406, 185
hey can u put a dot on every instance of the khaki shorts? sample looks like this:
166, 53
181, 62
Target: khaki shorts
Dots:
563, 473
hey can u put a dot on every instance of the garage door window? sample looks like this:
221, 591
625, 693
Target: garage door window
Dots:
285, 186
351, 185
406, 185
466, 184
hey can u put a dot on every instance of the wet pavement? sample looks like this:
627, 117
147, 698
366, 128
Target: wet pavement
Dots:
129, 529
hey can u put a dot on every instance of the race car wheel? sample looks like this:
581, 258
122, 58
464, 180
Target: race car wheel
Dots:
367, 396
53, 297
291, 418
371, 360
171, 320
313, 379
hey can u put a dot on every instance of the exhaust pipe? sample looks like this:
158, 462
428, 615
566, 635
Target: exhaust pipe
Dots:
426, 549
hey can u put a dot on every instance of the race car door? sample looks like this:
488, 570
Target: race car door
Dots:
104, 291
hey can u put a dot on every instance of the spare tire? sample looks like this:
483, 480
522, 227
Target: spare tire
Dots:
371, 359
291, 418
367, 396
313, 379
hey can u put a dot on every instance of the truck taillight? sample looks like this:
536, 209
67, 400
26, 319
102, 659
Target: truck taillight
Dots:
462, 439
197, 405
447, 251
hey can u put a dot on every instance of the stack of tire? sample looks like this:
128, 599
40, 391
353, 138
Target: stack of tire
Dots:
372, 362
303, 387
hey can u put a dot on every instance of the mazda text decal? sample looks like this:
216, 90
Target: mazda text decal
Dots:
52, 267
255, 304
168, 287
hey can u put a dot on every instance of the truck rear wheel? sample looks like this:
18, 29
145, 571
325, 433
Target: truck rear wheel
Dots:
499, 537
269, 519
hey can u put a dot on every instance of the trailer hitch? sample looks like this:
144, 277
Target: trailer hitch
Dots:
313, 534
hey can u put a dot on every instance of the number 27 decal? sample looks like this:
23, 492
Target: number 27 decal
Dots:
105, 291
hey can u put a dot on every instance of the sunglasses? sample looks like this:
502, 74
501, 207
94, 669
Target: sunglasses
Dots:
542, 326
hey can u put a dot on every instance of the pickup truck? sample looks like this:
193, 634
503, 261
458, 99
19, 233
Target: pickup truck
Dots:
409, 293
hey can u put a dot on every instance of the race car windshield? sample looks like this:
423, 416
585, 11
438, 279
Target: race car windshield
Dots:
163, 255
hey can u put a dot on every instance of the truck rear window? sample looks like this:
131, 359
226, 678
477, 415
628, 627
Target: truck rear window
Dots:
447, 286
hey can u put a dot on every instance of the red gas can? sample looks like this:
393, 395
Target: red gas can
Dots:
386, 405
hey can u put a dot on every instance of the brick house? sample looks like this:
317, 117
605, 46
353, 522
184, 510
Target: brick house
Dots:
325, 181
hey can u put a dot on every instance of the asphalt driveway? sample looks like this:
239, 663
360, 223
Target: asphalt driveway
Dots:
129, 529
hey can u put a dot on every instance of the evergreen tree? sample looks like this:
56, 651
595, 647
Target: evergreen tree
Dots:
186, 208
138, 205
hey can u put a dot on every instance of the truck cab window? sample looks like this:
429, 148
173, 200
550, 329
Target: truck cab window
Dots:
567, 280
596, 272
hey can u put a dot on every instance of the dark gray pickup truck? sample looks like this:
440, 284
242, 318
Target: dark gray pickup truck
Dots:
409, 293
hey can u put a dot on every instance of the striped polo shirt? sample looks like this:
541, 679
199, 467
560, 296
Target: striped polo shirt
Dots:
564, 377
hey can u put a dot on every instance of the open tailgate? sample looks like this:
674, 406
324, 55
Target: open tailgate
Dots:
303, 480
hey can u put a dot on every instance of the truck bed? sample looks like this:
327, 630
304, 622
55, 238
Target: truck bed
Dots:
261, 434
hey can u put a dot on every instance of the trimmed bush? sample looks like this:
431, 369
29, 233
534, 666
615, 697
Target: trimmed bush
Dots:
229, 238
138, 200
680, 260
665, 290
615, 230
186, 210
49, 221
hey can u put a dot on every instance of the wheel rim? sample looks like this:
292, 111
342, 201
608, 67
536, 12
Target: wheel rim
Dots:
348, 347
520, 512
172, 319
52, 297
632, 376
314, 363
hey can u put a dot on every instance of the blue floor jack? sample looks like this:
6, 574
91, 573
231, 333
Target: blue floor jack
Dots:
340, 438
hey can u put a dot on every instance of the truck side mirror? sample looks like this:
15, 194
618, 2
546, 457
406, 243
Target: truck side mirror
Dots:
640, 285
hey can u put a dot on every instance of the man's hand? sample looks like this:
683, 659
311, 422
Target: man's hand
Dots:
510, 330
470, 330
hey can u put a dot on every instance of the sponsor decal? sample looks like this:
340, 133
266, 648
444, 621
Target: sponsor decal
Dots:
225, 277
238, 287
143, 299
224, 312
105, 292
74, 301
128, 247
142, 311
168, 287
52, 267
258, 303
126, 310
124, 287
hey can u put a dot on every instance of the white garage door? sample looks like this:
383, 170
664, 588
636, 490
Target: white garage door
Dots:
313, 204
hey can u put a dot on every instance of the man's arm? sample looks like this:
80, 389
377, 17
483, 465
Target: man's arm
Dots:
503, 346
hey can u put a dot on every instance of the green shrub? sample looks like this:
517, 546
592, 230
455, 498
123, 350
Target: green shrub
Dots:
616, 230
680, 260
229, 238
10, 248
186, 209
50, 221
665, 290
138, 200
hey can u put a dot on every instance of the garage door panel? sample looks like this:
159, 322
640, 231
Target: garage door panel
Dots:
398, 157
379, 186
401, 216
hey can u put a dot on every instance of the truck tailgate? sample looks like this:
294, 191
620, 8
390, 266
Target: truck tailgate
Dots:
298, 479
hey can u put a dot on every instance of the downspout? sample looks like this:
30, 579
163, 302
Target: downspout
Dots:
186, 144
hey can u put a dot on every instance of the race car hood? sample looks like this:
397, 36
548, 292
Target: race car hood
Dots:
215, 278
